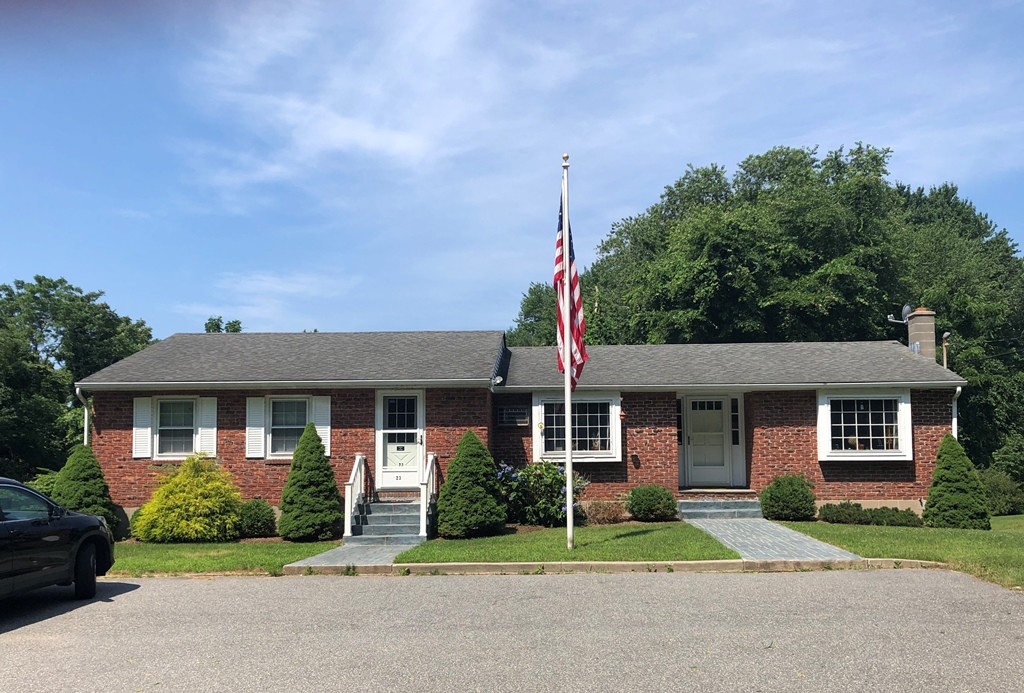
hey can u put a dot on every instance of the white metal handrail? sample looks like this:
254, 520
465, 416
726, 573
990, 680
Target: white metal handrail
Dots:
428, 490
355, 491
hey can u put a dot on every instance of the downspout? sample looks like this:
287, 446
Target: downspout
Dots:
956, 418
85, 415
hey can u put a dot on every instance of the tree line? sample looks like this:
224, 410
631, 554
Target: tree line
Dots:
53, 334
792, 246
795, 246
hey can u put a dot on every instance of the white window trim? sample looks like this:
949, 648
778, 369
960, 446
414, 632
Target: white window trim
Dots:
269, 427
614, 452
157, 455
905, 422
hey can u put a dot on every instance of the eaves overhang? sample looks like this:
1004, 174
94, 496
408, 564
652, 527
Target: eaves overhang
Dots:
747, 387
178, 386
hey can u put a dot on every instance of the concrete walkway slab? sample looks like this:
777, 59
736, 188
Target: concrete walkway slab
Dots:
357, 555
762, 540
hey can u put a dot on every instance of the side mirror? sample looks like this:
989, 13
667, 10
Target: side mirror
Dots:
56, 512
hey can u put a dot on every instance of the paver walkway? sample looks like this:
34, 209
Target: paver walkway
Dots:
761, 540
354, 555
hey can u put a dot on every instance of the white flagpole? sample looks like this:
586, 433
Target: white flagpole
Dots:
567, 351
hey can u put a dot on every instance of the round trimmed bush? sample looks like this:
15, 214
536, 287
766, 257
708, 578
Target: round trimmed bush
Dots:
256, 519
788, 497
80, 486
652, 504
1005, 496
311, 508
469, 504
956, 498
198, 502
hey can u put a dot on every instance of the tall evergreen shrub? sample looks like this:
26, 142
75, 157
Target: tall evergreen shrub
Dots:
470, 504
80, 486
311, 508
198, 502
956, 498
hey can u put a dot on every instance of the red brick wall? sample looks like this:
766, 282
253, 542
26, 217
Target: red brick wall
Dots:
512, 444
649, 449
449, 414
781, 438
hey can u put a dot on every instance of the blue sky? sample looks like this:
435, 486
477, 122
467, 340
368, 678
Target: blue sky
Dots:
389, 166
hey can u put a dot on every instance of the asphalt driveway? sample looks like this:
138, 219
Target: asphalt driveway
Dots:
888, 630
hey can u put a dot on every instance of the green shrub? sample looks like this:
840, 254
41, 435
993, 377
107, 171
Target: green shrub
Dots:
845, 513
601, 512
652, 504
1005, 496
1010, 457
80, 486
197, 503
256, 519
311, 508
535, 494
469, 503
956, 498
893, 517
44, 481
788, 497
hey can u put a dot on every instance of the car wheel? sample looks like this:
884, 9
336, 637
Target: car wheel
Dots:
85, 572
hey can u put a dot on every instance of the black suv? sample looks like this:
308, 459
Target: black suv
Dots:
43, 544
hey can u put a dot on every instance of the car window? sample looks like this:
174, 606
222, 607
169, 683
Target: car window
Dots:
18, 504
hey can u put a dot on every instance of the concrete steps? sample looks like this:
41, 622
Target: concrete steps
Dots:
386, 523
718, 509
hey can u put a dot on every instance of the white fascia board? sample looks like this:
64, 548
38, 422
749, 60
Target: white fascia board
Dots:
282, 385
745, 387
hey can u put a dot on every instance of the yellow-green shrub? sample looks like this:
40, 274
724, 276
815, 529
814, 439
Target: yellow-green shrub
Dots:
198, 502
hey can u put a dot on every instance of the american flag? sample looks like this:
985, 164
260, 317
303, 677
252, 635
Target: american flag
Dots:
577, 323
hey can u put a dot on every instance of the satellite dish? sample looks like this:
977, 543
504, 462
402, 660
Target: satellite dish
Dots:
907, 310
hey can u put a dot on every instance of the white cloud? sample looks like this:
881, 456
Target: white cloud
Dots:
269, 301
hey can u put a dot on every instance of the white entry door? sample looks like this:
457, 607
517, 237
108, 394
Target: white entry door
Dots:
707, 439
400, 440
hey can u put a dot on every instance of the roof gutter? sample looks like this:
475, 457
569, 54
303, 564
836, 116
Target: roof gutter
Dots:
956, 413
748, 387
278, 384
85, 415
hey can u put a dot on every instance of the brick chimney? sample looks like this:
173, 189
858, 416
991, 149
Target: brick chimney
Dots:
921, 332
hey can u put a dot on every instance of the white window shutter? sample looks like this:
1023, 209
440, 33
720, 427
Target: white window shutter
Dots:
255, 427
208, 425
322, 421
142, 428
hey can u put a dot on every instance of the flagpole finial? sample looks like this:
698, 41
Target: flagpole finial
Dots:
565, 159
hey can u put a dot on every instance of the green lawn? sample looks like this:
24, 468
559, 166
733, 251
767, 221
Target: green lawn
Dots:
996, 556
253, 558
670, 541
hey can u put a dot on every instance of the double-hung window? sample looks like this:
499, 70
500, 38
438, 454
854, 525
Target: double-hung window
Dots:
275, 423
172, 428
288, 418
865, 425
596, 430
176, 427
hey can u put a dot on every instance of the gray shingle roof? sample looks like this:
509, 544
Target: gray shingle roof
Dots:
680, 366
470, 358
317, 357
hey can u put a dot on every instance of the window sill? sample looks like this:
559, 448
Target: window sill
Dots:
582, 459
862, 456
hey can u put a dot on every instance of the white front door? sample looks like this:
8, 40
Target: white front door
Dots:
707, 441
399, 440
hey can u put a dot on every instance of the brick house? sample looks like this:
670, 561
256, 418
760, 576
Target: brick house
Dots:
862, 420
